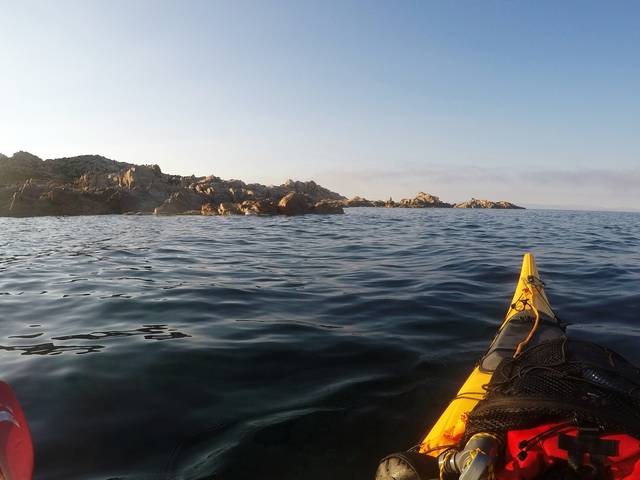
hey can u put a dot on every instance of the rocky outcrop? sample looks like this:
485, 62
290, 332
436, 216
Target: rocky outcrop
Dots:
228, 208
181, 201
141, 176
328, 207
295, 203
6, 197
22, 166
311, 189
90, 184
31, 199
94, 181
95, 185
291, 204
248, 207
476, 203
423, 200
358, 202
209, 209
25, 198
67, 170
426, 200
259, 207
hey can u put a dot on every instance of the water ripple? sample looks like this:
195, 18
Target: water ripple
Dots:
207, 347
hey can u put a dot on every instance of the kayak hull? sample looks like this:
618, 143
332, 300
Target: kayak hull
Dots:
528, 310
16, 448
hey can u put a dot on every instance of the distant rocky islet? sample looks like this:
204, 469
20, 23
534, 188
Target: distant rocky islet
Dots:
95, 185
425, 200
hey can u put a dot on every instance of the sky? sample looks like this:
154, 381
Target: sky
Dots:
535, 102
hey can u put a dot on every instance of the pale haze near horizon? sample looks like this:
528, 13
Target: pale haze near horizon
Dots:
531, 102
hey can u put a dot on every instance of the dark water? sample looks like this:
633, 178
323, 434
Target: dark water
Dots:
288, 348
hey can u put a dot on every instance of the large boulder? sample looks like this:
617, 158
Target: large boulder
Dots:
295, 203
179, 202
311, 189
259, 207
123, 200
36, 200
328, 207
141, 176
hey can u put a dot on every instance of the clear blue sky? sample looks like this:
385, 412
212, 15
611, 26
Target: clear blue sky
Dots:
536, 102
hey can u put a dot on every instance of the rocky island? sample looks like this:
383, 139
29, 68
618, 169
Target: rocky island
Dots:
425, 200
95, 185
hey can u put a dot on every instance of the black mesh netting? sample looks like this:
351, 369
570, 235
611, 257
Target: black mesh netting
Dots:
561, 380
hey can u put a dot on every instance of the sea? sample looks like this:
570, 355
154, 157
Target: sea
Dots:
230, 348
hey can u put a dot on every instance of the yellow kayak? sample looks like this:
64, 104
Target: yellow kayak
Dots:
528, 310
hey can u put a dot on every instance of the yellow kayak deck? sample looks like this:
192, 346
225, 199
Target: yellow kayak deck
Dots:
529, 298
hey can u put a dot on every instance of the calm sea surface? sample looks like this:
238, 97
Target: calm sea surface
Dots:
288, 348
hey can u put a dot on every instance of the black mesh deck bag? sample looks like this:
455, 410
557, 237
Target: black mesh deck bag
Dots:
560, 380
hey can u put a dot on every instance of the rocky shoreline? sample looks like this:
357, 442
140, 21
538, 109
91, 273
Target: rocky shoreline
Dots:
95, 185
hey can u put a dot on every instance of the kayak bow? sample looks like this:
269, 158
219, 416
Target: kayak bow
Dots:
527, 311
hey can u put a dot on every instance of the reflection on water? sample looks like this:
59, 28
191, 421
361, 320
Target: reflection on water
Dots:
148, 332
51, 349
289, 348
